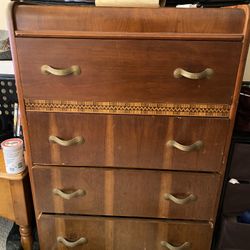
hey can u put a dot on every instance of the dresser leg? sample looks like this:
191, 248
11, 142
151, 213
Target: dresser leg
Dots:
26, 237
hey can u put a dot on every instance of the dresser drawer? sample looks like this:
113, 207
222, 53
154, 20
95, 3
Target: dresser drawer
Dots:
95, 233
128, 70
128, 141
138, 193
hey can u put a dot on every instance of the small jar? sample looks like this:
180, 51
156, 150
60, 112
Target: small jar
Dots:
13, 155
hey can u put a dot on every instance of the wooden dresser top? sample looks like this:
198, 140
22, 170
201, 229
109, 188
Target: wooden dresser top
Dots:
134, 23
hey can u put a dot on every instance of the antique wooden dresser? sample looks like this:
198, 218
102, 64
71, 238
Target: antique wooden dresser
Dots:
128, 115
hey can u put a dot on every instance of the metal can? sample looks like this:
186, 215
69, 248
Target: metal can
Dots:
13, 155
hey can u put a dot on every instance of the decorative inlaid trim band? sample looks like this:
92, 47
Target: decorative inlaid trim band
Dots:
137, 108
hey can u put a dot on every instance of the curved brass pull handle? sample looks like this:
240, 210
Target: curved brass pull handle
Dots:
66, 143
70, 244
180, 201
48, 70
207, 73
68, 196
195, 146
185, 245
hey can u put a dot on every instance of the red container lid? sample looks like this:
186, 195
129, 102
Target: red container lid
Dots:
13, 143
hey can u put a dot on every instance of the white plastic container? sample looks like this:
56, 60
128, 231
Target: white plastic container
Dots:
13, 155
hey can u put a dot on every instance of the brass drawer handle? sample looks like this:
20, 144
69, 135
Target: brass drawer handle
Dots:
68, 196
167, 245
195, 146
180, 201
66, 143
48, 70
70, 244
207, 73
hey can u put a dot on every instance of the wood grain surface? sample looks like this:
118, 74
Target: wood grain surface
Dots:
128, 70
122, 234
144, 45
16, 202
130, 193
127, 141
126, 20
6, 207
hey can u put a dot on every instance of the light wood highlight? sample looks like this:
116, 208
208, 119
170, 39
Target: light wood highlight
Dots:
127, 20
128, 141
137, 108
26, 237
131, 200
6, 207
121, 105
16, 202
127, 234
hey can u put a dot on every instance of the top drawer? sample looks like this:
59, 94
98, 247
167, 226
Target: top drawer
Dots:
128, 70
64, 21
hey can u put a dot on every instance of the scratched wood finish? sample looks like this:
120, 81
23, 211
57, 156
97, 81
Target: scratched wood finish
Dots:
221, 24
124, 20
128, 70
127, 141
108, 192
122, 234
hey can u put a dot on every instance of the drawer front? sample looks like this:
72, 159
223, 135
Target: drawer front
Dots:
121, 234
122, 192
128, 70
128, 141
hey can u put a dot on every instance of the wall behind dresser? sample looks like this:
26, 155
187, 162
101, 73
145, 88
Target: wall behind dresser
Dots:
3, 25
3, 10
